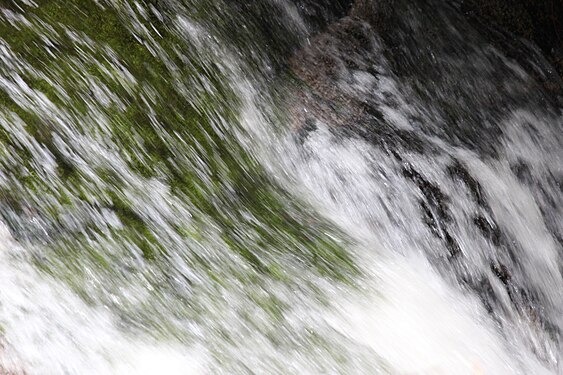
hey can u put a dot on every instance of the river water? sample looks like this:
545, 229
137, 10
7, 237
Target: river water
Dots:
208, 187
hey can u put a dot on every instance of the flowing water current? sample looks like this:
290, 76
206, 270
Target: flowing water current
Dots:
274, 187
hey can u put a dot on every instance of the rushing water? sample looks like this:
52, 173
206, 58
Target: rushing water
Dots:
208, 187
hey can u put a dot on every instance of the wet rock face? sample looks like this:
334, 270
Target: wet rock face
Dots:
351, 62
401, 75
319, 13
280, 27
539, 21
375, 12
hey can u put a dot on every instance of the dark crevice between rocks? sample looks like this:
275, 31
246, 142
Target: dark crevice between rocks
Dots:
489, 230
458, 172
434, 196
505, 261
435, 212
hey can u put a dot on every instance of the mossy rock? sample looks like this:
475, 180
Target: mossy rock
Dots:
122, 159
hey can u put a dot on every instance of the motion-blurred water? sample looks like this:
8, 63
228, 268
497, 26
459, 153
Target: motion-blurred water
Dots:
208, 187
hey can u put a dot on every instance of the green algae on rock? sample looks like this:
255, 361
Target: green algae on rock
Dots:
102, 100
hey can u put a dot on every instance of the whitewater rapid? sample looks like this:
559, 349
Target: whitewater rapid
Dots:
365, 235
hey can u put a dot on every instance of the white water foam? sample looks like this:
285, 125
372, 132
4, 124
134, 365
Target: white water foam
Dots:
417, 321
421, 325
47, 329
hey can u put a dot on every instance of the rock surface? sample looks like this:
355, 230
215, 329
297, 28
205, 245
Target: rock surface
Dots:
539, 21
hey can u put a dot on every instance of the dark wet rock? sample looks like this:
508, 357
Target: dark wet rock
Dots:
280, 27
489, 229
337, 60
327, 59
522, 171
433, 195
458, 172
540, 22
391, 140
309, 126
435, 212
322, 66
436, 69
320, 13
378, 13
452, 245
501, 272
485, 292
440, 68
